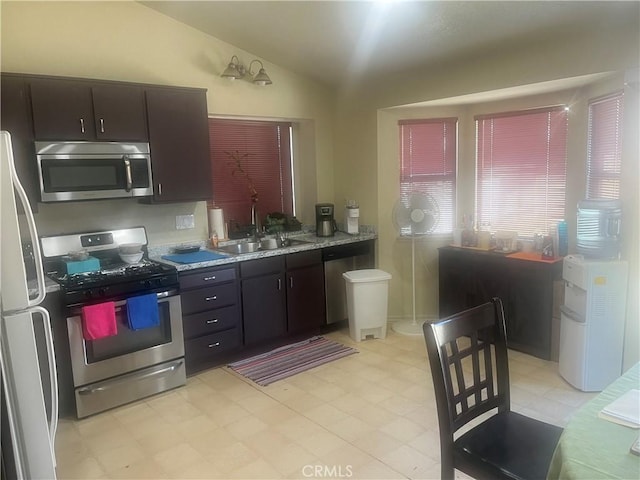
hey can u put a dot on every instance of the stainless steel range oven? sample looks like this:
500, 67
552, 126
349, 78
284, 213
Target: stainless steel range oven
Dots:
127, 364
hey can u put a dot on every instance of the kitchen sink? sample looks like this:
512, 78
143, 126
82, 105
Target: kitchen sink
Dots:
238, 248
265, 244
292, 242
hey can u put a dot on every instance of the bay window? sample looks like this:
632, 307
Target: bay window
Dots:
521, 167
604, 147
428, 155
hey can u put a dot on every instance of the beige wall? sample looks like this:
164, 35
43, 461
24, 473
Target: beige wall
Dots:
395, 253
346, 153
611, 50
127, 41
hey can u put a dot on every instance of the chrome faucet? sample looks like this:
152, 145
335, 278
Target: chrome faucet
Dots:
279, 239
255, 221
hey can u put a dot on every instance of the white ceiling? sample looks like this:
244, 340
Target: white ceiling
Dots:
338, 41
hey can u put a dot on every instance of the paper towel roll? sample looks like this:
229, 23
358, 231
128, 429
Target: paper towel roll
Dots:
216, 222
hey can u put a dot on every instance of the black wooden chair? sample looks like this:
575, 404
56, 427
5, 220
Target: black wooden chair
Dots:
469, 364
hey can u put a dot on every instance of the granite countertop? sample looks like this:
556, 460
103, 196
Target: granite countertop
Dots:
50, 286
315, 242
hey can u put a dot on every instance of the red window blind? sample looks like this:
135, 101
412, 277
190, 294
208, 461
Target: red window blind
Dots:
428, 154
521, 164
604, 147
263, 150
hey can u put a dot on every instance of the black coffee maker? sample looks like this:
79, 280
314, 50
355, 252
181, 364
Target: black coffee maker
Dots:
325, 223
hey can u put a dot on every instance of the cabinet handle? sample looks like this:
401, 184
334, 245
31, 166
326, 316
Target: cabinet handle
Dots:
209, 322
159, 189
208, 299
290, 282
279, 284
217, 344
127, 169
102, 125
206, 279
82, 125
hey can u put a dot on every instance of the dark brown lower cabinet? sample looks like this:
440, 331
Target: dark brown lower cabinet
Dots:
263, 299
282, 295
251, 305
211, 316
469, 277
305, 291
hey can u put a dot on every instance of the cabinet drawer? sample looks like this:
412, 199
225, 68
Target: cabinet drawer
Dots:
210, 321
304, 259
208, 298
202, 348
263, 266
205, 278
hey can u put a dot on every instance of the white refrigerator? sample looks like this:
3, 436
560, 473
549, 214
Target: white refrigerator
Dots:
28, 428
592, 321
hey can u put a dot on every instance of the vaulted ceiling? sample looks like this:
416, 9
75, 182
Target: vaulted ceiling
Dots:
338, 41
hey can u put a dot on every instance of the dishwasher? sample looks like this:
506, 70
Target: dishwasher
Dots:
339, 259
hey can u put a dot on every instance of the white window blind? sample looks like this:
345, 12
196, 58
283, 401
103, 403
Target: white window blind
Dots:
521, 164
604, 147
428, 154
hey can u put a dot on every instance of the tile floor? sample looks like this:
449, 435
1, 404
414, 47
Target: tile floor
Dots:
367, 416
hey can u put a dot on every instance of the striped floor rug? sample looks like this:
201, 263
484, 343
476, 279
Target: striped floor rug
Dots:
291, 359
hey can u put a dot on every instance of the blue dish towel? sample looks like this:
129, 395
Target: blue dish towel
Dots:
195, 257
142, 312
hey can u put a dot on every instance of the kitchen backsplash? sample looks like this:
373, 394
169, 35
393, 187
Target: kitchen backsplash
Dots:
159, 220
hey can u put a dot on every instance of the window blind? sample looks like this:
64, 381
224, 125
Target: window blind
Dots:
604, 147
251, 155
521, 163
428, 154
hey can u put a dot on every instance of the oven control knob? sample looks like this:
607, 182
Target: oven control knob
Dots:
102, 292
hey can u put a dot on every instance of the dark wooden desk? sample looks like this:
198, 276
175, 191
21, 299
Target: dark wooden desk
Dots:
524, 282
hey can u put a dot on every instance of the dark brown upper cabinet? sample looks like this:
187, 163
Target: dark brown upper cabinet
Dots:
66, 109
15, 117
179, 140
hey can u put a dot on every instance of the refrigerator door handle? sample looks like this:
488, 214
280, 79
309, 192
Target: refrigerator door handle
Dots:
33, 232
13, 425
572, 314
53, 376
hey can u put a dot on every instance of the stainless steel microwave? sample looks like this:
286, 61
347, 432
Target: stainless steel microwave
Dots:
93, 170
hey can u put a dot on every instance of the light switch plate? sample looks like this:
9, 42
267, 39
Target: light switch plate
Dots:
184, 222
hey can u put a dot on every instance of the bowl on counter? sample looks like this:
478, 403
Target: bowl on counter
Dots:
131, 258
130, 248
78, 255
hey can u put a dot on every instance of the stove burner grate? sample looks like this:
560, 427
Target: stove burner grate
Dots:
113, 274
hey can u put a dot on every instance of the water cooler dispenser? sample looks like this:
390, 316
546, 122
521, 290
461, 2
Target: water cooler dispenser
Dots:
592, 321
599, 228
595, 295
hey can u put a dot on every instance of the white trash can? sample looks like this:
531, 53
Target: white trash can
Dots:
367, 292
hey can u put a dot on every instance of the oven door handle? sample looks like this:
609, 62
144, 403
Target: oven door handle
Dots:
112, 383
76, 311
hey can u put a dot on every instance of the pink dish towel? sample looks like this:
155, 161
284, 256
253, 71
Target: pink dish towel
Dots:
99, 321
